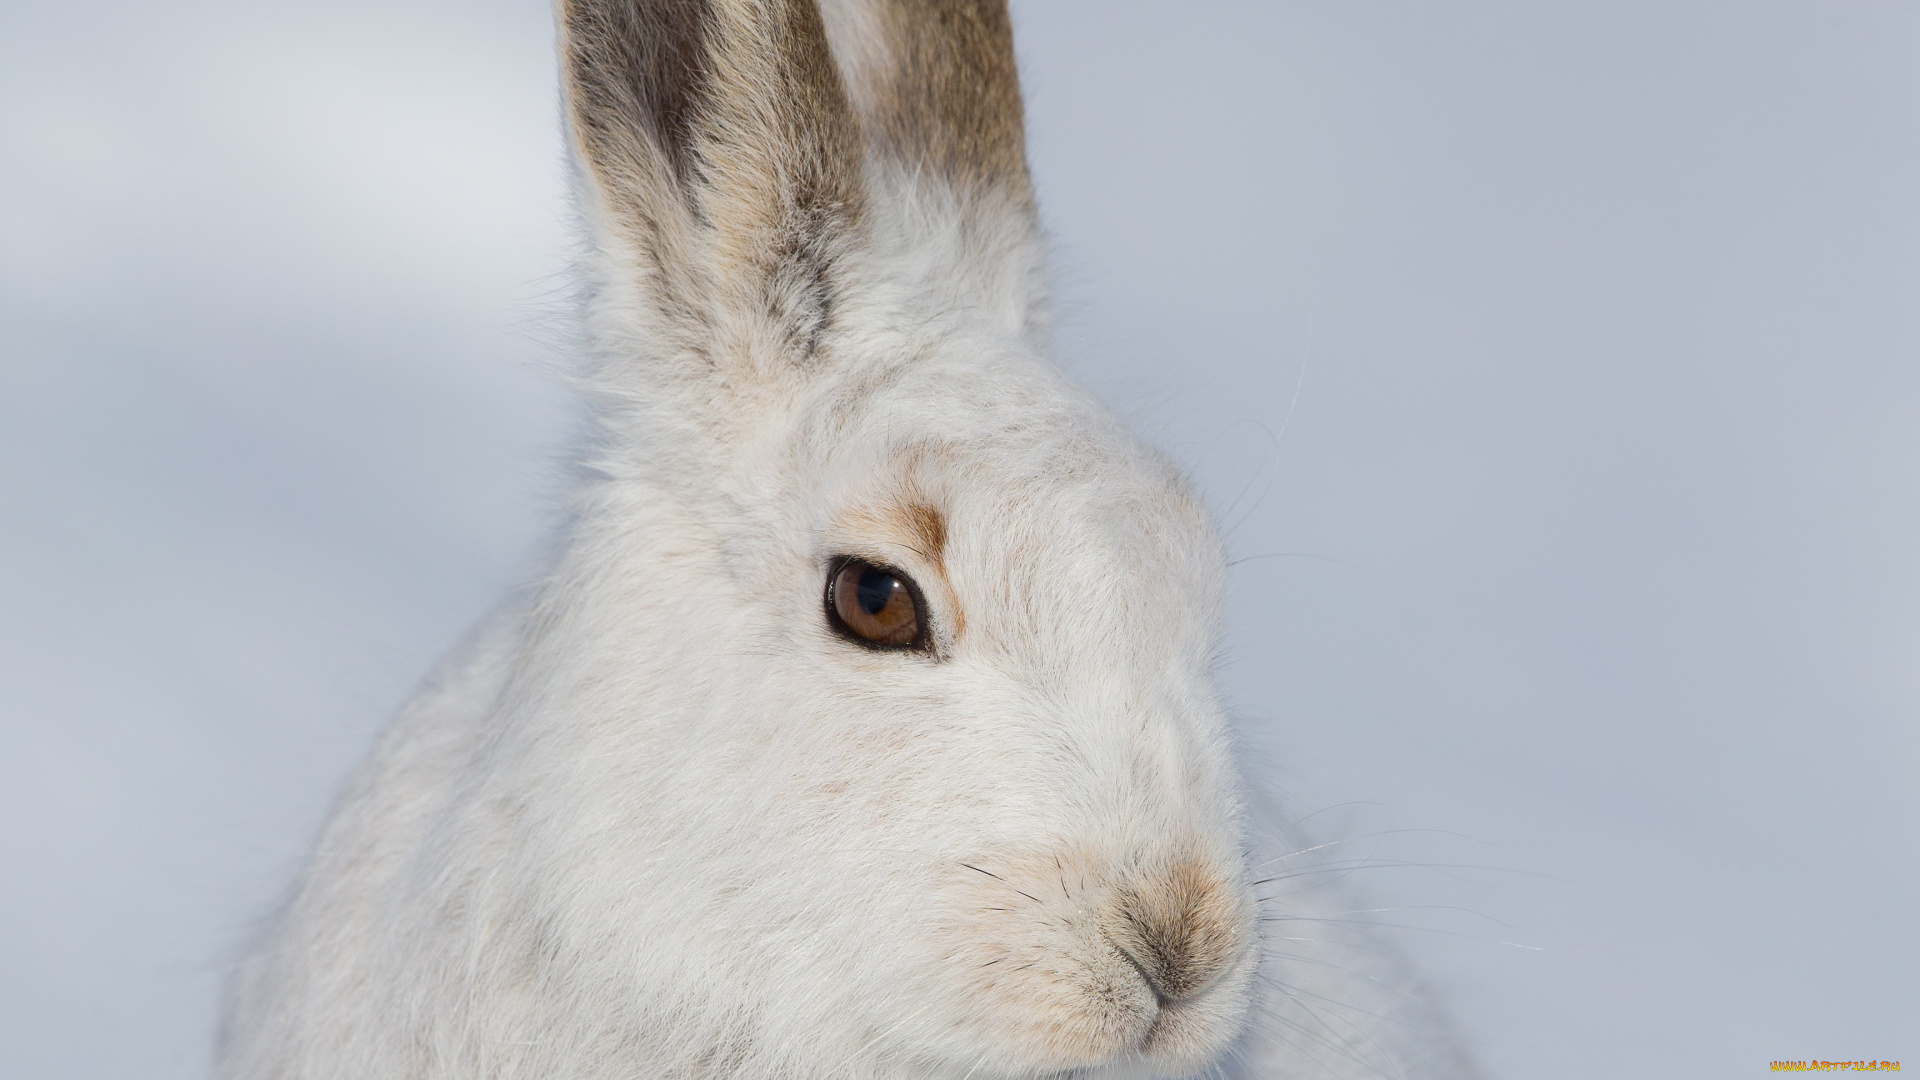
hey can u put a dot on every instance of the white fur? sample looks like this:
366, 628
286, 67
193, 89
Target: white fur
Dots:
658, 820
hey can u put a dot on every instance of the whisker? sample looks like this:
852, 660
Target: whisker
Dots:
1401, 926
1003, 881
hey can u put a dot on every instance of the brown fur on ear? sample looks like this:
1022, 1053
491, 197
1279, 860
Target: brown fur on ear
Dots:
721, 147
936, 87
633, 73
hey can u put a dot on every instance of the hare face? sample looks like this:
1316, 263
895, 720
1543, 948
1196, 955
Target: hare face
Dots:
1009, 845
1029, 819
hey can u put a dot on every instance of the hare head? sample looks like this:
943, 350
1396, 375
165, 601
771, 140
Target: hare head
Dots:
891, 649
865, 726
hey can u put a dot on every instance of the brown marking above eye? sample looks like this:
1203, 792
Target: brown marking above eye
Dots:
931, 529
874, 605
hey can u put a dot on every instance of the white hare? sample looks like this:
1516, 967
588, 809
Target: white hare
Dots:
865, 725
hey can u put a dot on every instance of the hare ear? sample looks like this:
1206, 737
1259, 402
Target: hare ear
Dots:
936, 87
938, 95
721, 162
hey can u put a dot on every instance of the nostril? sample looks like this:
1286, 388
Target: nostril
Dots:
1171, 977
1180, 931
1154, 974
1147, 975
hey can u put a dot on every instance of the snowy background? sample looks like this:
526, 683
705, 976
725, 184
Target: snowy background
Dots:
1556, 367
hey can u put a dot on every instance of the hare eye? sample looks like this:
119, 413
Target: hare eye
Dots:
873, 605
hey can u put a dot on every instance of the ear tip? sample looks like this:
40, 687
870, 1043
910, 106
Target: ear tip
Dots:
940, 87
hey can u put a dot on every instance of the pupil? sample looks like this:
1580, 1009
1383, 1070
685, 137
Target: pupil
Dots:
874, 590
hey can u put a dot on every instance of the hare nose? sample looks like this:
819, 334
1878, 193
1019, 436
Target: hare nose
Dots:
1182, 929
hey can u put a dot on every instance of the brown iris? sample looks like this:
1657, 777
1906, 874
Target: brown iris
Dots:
874, 605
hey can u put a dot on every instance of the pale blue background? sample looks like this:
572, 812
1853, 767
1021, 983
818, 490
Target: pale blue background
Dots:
1564, 359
